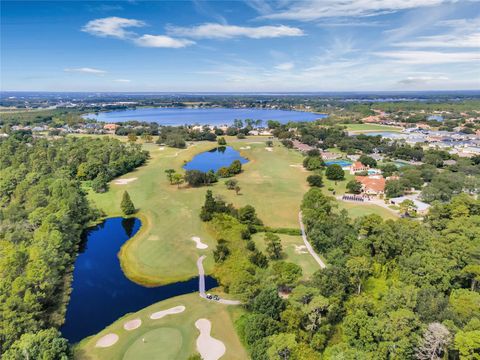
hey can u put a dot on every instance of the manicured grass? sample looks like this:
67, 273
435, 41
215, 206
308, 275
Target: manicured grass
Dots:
163, 252
361, 209
371, 127
291, 251
171, 337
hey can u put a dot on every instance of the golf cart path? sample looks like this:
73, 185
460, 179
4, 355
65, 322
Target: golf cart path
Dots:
308, 245
201, 284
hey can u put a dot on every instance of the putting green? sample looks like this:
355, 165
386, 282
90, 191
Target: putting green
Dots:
171, 337
168, 340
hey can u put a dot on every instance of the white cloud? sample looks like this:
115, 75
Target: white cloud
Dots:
112, 27
162, 41
429, 57
317, 9
86, 70
445, 41
220, 31
122, 80
285, 66
422, 79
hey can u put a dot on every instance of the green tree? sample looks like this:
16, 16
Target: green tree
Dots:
354, 186
268, 302
43, 345
472, 273
286, 274
335, 172
468, 343
281, 346
237, 189
221, 141
235, 167
408, 207
132, 137
360, 268
231, 183
394, 188
208, 208
315, 180
177, 179
248, 215
274, 245
368, 161
313, 163
170, 173
127, 205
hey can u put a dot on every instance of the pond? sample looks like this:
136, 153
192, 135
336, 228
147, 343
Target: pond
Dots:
101, 292
214, 159
213, 116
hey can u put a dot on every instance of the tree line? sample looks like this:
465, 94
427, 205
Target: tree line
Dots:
43, 213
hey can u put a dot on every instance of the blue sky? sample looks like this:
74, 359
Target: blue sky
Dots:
254, 45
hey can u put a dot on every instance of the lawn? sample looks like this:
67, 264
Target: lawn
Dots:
371, 127
171, 337
294, 251
163, 252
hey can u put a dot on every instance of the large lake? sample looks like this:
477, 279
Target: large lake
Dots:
214, 159
101, 292
213, 116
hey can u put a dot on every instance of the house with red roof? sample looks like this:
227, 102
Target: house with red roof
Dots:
372, 185
357, 166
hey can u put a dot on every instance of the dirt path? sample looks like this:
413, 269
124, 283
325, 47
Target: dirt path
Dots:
308, 245
201, 284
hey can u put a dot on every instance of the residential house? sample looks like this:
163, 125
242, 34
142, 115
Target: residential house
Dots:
372, 185
357, 166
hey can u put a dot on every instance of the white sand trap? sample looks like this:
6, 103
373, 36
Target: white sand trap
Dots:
298, 166
161, 148
245, 148
269, 149
107, 340
160, 314
255, 142
208, 347
124, 181
153, 238
132, 324
301, 249
200, 244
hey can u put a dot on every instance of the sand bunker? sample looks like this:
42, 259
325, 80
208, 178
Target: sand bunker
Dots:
153, 238
269, 149
200, 244
160, 314
245, 148
161, 148
124, 181
298, 166
301, 249
107, 340
208, 347
132, 324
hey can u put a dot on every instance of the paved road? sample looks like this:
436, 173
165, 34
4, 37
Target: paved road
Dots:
308, 245
201, 284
